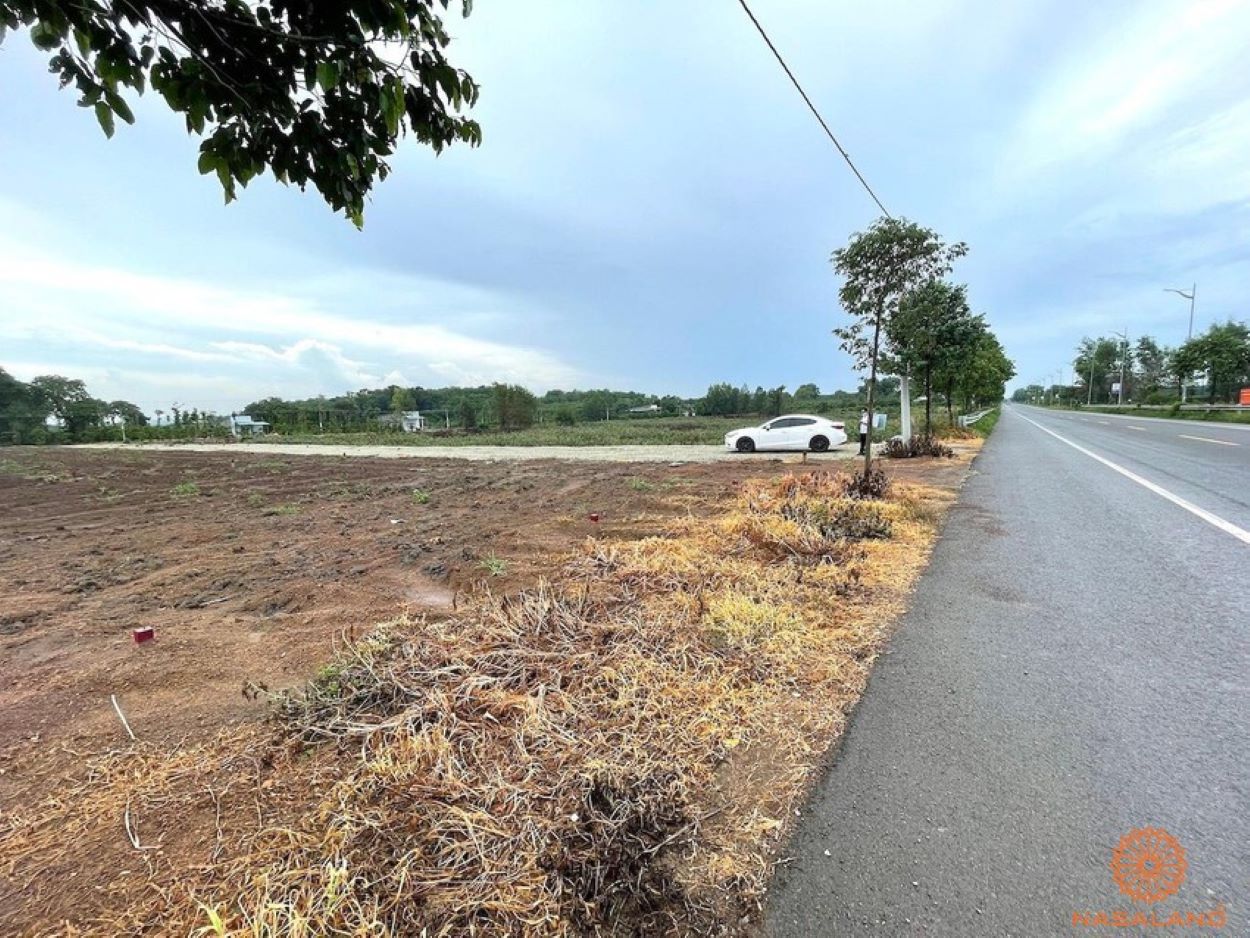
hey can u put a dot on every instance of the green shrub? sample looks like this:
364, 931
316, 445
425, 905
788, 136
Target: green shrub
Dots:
495, 566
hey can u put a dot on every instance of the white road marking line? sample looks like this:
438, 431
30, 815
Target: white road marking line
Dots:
1142, 429
1206, 439
1214, 520
1105, 423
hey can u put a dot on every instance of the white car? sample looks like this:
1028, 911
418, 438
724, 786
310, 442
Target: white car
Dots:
792, 431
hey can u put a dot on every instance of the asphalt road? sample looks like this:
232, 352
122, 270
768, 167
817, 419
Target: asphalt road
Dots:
1075, 664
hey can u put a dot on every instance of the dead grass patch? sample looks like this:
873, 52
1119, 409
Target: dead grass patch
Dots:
616, 751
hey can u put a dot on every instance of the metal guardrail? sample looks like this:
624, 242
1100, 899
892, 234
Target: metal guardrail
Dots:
967, 420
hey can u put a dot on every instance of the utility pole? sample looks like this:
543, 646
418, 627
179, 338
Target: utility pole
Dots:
1193, 296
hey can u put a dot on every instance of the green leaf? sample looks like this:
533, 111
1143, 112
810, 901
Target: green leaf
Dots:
104, 114
392, 102
45, 36
207, 162
119, 106
226, 180
327, 75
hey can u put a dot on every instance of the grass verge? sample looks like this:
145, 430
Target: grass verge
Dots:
985, 426
1211, 416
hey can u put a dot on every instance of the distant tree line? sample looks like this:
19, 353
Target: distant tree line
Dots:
1211, 367
52, 409
27, 408
511, 407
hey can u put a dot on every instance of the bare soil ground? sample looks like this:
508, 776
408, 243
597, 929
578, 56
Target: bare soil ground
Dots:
249, 566
625, 452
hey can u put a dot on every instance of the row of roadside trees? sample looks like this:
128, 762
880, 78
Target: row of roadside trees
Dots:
906, 318
1213, 366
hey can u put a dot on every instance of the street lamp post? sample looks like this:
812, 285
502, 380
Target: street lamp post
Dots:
1191, 296
1123, 360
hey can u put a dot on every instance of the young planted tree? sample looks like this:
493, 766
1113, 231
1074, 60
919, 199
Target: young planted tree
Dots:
318, 93
983, 377
963, 338
879, 267
932, 330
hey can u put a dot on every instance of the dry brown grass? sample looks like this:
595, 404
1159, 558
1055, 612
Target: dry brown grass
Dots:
616, 751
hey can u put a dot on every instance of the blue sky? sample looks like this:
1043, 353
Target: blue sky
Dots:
652, 207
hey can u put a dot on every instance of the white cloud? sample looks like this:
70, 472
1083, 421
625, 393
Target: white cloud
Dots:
177, 338
1131, 77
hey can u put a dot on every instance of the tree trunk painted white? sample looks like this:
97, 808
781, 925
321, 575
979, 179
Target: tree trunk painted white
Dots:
904, 398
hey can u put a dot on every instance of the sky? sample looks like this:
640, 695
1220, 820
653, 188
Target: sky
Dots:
652, 207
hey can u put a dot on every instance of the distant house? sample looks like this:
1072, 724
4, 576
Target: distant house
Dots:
242, 425
412, 421
645, 409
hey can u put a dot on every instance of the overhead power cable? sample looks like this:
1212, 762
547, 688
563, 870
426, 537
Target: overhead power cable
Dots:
846, 156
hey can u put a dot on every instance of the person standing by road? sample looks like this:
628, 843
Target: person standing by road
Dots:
863, 431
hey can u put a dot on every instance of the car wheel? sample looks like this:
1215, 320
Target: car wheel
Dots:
746, 445
820, 444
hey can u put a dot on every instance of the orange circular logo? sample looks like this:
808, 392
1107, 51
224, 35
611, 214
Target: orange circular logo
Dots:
1148, 864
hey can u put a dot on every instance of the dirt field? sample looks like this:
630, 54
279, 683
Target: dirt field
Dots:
249, 566
252, 577
682, 453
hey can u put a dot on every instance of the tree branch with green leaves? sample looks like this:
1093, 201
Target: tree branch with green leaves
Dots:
318, 94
